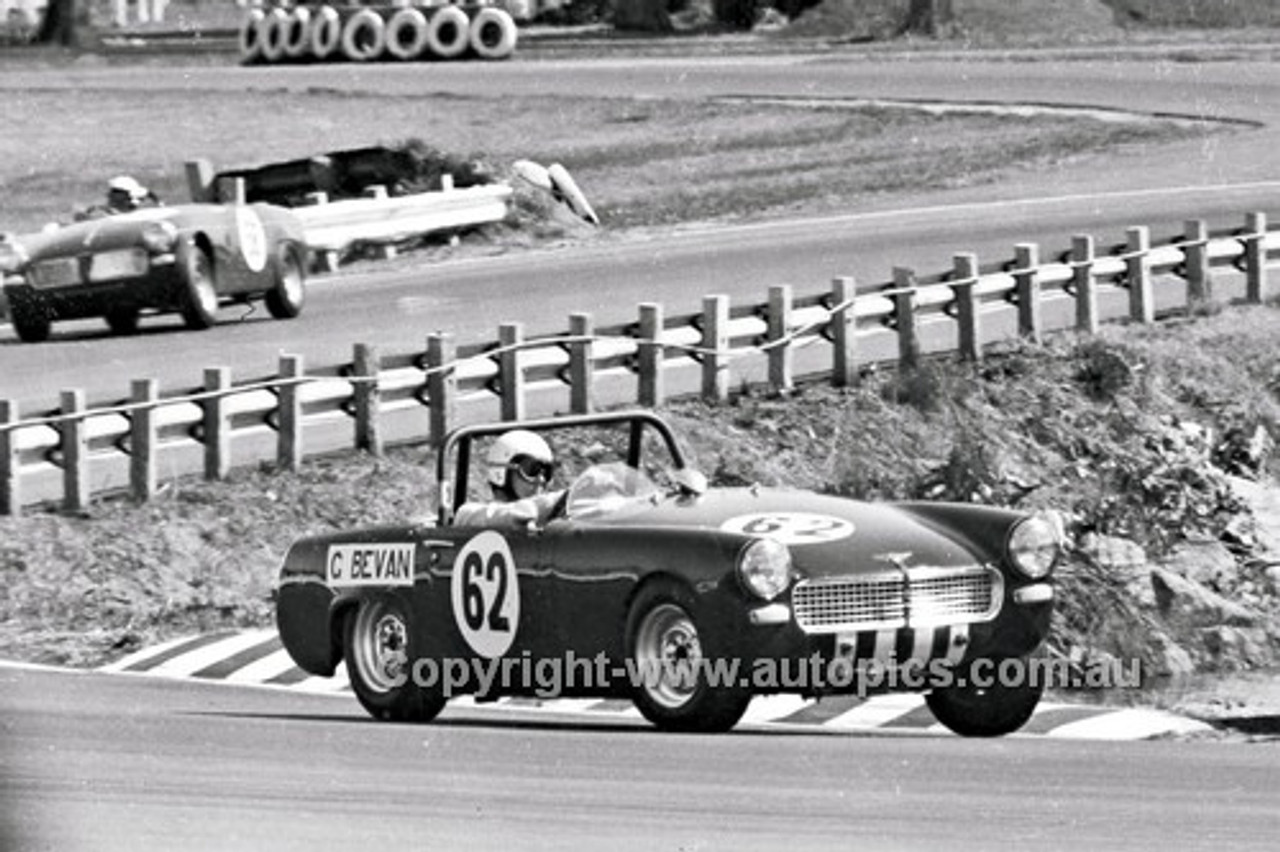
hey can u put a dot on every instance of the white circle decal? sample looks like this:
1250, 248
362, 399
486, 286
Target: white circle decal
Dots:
486, 594
792, 528
252, 237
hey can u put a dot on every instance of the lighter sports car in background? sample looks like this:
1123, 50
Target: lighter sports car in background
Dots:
688, 600
189, 258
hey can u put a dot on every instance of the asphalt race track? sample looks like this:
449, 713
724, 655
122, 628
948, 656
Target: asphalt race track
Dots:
94, 761
106, 762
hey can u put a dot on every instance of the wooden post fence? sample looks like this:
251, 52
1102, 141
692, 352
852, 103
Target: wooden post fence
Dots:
780, 356
10, 478
1026, 279
715, 340
510, 373
289, 441
1196, 252
142, 439
442, 385
1084, 283
217, 428
366, 398
1255, 259
904, 300
1142, 306
842, 330
966, 293
581, 364
75, 452
651, 388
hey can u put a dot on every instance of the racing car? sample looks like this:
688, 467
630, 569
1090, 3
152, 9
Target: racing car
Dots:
648, 585
187, 258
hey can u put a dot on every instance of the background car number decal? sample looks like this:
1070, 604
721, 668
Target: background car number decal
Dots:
252, 237
791, 527
486, 594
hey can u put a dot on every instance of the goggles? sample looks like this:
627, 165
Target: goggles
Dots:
532, 470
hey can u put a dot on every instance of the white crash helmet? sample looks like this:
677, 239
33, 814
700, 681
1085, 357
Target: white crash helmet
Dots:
513, 447
127, 185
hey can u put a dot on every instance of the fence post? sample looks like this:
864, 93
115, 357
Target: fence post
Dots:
1196, 252
10, 486
289, 410
781, 357
142, 440
442, 385
1082, 258
217, 431
966, 294
581, 363
843, 326
904, 312
1026, 259
510, 374
1142, 306
651, 387
1255, 258
367, 398
715, 340
75, 452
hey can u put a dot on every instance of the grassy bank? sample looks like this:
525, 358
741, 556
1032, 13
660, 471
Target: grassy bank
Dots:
642, 163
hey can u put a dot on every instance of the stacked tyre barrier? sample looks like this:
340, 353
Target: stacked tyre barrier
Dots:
403, 33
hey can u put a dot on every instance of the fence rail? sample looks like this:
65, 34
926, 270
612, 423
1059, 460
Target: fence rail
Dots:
966, 302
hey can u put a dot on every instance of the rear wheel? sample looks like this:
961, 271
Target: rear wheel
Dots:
30, 320
985, 711
122, 320
286, 298
671, 653
377, 638
199, 296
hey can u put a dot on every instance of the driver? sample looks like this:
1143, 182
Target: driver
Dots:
520, 467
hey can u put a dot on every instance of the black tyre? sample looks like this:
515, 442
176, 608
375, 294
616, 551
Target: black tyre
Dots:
286, 298
671, 653
199, 295
122, 320
30, 320
377, 638
990, 711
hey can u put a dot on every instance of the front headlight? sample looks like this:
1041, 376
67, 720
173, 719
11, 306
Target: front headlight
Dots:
12, 256
159, 237
1034, 545
765, 568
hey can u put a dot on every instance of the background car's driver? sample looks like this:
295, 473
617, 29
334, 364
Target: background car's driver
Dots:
520, 466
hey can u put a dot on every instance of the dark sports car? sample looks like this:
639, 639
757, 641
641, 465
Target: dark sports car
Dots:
646, 584
187, 258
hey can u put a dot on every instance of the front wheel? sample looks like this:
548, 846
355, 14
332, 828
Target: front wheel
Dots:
285, 299
669, 651
376, 644
199, 295
30, 321
986, 711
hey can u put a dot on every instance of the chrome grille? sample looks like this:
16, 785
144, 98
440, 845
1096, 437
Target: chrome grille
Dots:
918, 597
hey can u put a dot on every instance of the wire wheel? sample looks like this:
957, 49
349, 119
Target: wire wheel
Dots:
380, 647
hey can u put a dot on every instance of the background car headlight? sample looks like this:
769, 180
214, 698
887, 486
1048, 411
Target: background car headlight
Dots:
12, 256
159, 237
1034, 545
765, 568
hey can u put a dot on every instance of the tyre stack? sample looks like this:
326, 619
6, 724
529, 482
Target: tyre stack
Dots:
402, 33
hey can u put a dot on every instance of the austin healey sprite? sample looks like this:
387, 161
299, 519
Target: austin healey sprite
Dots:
189, 259
687, 600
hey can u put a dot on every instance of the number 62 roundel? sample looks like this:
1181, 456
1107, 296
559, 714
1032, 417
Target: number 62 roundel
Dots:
486, 594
